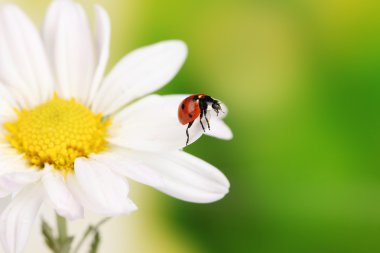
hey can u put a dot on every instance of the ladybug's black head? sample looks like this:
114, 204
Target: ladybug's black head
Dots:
216, 106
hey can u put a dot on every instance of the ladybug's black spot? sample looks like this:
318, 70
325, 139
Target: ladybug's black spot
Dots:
195, 98
190, 115
183, 106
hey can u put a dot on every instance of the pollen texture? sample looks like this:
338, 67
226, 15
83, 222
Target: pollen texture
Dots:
57, 132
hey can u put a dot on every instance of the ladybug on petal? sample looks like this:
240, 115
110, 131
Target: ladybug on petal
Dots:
196, 106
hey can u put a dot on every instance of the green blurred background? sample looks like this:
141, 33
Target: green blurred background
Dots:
302, 83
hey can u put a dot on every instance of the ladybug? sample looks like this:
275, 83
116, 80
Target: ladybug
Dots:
195, 106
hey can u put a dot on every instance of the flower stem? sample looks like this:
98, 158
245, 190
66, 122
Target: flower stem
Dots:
62, 233
62, 228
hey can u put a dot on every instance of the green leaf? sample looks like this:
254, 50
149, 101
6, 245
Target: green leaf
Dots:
49, 237
95, 242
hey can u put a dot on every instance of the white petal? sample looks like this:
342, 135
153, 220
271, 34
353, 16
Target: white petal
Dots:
219, 129
184, 176
8, 152
152, 124
3, 194
99, 189
139, 73
7, 105
69, 42
60, 196
18, 217
4, 202
15, 174
103, 35
23, 61
15, 181
117, 160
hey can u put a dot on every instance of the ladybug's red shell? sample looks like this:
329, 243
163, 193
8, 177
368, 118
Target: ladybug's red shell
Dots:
188, 109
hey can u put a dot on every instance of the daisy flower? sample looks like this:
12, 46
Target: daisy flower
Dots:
71, 135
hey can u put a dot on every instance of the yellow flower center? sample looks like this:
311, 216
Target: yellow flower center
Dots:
57, 132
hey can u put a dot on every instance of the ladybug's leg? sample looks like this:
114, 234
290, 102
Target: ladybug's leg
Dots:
200, 120
208, 123
203, 107
187, 131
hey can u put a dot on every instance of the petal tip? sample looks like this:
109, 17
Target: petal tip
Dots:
131, 207
99, 9
178, 46
181, 46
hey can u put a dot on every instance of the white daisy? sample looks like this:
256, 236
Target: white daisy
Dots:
70, 136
